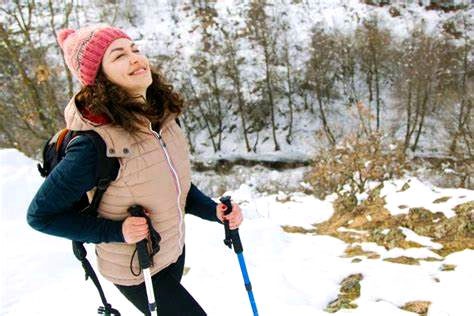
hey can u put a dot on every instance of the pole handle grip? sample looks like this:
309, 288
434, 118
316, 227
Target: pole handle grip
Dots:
136, 210
232, 236
226, 200
142, 245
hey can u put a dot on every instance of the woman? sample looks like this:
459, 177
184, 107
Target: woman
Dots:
134, 112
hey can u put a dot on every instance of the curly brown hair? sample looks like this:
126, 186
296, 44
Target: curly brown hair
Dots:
107, 98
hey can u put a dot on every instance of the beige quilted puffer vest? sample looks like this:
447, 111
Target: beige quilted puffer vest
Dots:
155, 173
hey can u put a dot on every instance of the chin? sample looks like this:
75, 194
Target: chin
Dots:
145, 82
139, 85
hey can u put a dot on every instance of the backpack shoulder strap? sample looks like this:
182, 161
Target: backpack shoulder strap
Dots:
106, 165
106, 170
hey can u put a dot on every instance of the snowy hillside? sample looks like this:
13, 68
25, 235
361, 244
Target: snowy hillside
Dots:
173, 30
173, 35
292, 274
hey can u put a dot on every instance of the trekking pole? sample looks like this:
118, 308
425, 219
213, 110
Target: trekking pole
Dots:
80, 252
145, 262
232, 238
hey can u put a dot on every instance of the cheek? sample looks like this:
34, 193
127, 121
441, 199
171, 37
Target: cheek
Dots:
116, 72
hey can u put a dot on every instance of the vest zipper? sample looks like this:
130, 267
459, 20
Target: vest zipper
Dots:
175, 176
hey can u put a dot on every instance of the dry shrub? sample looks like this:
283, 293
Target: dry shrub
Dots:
347, 169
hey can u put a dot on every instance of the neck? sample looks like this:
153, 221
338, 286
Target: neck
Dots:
139, 97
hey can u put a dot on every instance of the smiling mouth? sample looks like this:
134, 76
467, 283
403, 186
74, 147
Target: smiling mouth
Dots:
138, 72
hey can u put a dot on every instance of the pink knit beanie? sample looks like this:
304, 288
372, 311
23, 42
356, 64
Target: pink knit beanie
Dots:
84, 48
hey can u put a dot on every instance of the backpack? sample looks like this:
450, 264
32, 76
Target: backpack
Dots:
53, 152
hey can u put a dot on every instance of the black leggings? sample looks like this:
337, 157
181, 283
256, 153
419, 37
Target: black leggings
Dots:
171, 297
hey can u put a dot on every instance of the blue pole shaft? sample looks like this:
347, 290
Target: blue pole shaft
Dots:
248, 285
232, 239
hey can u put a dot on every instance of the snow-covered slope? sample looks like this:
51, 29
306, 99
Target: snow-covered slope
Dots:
292, 274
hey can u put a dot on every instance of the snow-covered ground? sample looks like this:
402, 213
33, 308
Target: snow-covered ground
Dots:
291, 274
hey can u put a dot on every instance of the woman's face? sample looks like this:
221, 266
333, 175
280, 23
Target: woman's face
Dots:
124, 65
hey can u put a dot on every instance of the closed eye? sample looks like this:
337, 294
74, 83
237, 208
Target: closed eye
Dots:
119, 56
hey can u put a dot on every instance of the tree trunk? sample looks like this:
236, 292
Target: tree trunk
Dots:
188, 133
327, 130
408, 108
371, 94
377, 93
219, 106
238, 87
369, 84
204, 116
242, 114
289, 136
422, 118
418, 110
270, 93
462, 117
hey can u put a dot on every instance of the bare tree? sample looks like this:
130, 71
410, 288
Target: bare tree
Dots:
287, 57
206, 67
373, 51
322, 74
257, 21
232, 71
30, 109
463, 85
418, 76
347, 75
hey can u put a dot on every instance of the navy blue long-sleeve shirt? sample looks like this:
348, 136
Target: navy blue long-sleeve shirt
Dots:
51, 210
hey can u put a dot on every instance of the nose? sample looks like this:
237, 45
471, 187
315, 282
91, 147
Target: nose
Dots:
133, 58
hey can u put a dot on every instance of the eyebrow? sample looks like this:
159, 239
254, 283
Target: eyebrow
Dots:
119, 48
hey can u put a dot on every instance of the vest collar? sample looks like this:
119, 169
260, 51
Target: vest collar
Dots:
98, 119
117, 140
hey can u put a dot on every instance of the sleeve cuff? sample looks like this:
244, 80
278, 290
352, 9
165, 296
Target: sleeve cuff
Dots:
116, 234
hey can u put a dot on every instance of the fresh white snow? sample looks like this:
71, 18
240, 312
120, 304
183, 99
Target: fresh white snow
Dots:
422, 240
420, 194
292, 274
